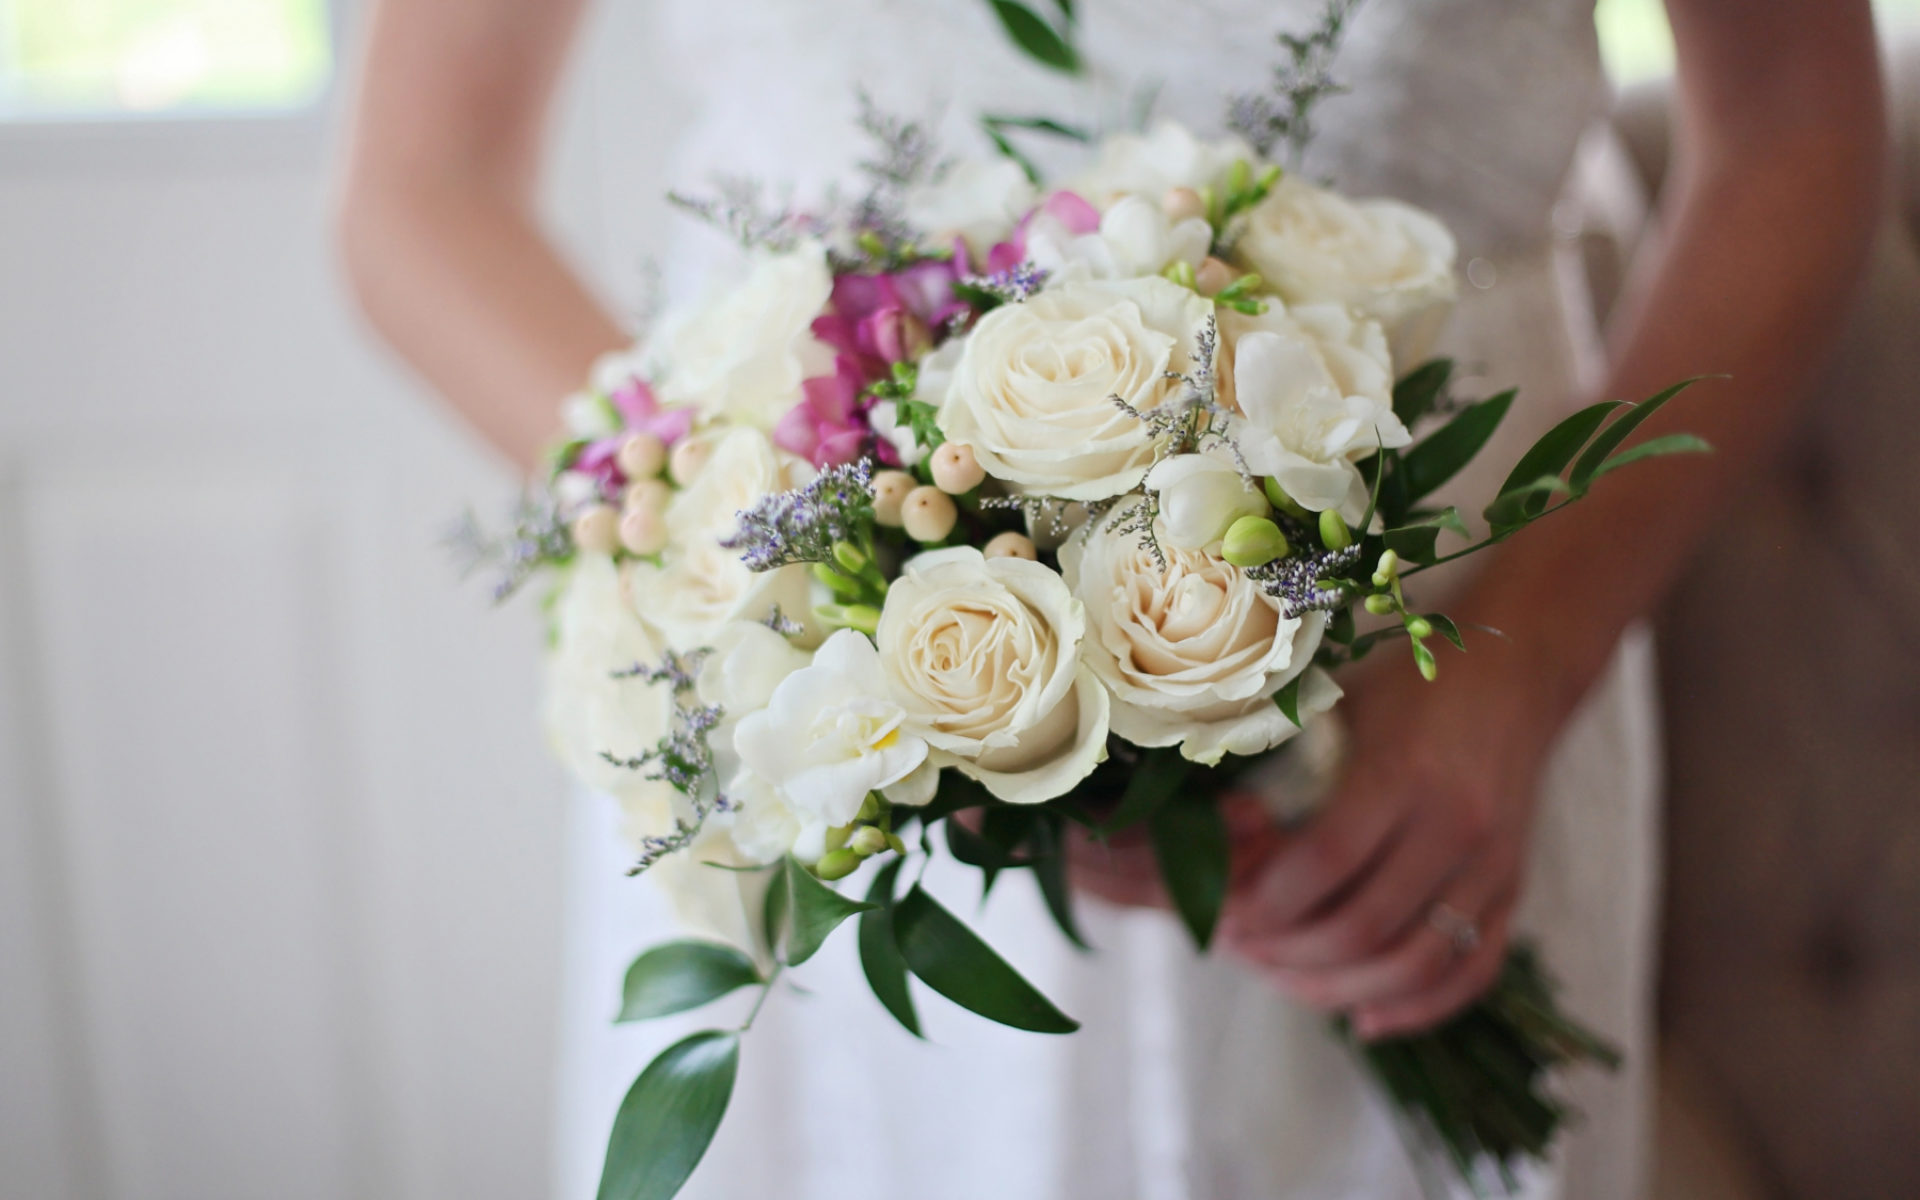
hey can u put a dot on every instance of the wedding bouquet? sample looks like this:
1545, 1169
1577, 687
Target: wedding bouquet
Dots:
983, 508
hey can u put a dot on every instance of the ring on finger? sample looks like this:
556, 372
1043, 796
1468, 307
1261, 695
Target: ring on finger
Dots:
1461, 931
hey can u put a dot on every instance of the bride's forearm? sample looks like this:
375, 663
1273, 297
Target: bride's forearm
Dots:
1761, 248
474, 296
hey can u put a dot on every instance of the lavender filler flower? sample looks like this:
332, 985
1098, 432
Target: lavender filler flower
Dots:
803, 525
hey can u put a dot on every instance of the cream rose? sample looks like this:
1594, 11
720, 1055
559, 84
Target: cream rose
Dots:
1033, 391
1166, 156
744, 353
1387, 260
699, 586
1193, 652
983, 656
1314, 388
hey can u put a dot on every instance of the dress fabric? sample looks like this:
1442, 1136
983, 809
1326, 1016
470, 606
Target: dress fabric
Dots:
1190, 1079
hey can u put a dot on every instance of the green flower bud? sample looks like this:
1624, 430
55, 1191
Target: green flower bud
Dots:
1181, 272
838, 584
837, 864
1334, 534
1238, 177
1253, 542
871, 808
849, 556
868, 840
1277, 496
1388, 570
1424, 658
837, 836
895, 844
1379, 606
1268, 178
1419, 627
864, 617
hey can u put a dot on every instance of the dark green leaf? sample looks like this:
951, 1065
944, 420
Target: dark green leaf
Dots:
1417, 540
1152, 784
1414, 395
886, 971
1660, 447
669, 1117
1608, 440
773, 910
1514, 507
1550, 455
682, 975
1012, 152
1447, 629
1032, 34
1288, 698
1072, 133
1439, 456
953, 961
1066, 9
1191, 844
817, 911
1050, 871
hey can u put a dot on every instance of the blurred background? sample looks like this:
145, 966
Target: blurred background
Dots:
280, 855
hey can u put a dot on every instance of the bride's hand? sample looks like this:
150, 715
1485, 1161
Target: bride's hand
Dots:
1120, 868
1394, 904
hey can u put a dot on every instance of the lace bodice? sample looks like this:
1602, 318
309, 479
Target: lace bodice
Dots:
1471, 108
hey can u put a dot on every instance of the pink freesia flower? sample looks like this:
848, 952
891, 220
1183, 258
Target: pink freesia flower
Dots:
827, 427
643, 412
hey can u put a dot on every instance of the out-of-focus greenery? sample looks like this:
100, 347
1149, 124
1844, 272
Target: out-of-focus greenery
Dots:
1637, 45
97, 56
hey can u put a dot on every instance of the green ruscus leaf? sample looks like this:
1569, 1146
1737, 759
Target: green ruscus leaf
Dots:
880, 959
1550, 455
1608, 440
1152, 784
669, 1117
1439, 457
682, 975
1418, 389
1033, 34
1416, 540
817, 911
952, 960
1191, 844
1288, 698
1660, 447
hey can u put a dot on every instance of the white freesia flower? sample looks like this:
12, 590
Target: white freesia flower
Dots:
1166, 156
1193, 652
1387, 260
1135, 238
744, 353
1315, 389
699, 586
1200, 496
831, 733
589, 713
748, 661
1033, 391
976, 199
984, 656
765, 825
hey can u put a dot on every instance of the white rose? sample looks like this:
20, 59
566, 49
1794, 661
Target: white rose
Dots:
976, 199
1032, 394
1193, 653
831, 733
1135, 238
1315, 389
1166, 156
744, 353
588, 712
699, 586
1388, 260
1200, 496
984, 656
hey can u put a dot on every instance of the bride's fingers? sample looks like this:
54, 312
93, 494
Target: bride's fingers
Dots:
1469, 978
1315, 865
1376, 912
1423, 957
1120, 869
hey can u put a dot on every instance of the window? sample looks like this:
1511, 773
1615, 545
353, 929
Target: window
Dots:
1637, 45
114, 58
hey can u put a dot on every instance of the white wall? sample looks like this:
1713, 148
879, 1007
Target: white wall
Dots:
279, 850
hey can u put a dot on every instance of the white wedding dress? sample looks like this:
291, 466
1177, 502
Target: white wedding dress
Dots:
1190, 1080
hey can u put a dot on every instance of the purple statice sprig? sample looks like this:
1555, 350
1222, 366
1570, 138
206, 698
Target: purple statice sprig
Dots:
738, 208
806, 524
536, 537
683, 760
1008, 286
1308, 581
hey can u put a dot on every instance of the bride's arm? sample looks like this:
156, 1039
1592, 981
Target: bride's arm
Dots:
437, 220
1781, 148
